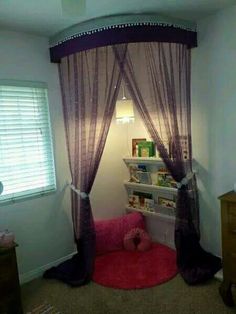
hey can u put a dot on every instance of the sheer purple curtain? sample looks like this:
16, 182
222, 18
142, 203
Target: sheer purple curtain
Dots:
90, 82
158, 78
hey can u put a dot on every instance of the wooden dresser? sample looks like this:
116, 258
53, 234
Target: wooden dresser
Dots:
10, 297
228, 221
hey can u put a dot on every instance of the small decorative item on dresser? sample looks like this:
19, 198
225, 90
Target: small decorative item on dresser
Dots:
228, 227
6, 238
10, 297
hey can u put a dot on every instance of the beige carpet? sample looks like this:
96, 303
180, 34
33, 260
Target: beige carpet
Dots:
172, 297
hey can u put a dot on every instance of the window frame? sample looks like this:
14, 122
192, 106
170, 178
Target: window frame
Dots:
43, 192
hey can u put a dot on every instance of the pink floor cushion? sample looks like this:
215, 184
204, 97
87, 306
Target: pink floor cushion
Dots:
137, 239
110, 233
136, 270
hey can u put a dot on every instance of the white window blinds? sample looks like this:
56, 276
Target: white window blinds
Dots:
26, 154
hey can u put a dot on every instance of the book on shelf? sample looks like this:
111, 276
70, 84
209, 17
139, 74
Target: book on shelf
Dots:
166, 202
167, 206
144, 177
133, 169
165, 179
166, 211
134, 201
142, 200
146, 149
142, 168
149, 205
139, 174
135, 142
142, 196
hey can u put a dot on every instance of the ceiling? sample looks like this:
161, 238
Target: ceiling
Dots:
46, 17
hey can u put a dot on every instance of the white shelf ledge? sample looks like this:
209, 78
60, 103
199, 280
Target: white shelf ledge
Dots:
147, 160
150, 187
144, 160
155, 214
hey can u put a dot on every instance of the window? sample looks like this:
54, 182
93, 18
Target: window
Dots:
26, 154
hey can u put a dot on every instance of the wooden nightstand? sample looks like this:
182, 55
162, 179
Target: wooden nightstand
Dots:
10, 297
228, 224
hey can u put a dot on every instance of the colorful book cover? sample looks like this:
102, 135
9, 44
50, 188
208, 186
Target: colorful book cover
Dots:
133, 169
134, 201
164, 178
146, 149
162, 201
142, 196
149, 205
144, 177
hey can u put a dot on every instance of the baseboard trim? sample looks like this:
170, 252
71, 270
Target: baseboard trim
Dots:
219, 275
35, 273
38, 272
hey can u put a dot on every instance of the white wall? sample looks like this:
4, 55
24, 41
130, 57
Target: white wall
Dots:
214, 116
108, 195
41, 225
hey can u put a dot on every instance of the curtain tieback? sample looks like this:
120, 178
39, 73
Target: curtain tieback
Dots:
185, 180
83, 195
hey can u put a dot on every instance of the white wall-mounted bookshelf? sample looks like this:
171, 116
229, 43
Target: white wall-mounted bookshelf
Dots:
152, 163
147, 160
143, 160
160, 219
150, 187
160, 216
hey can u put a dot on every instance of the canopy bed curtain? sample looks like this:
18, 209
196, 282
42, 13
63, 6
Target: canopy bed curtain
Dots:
157, 76
90, 82
152, 56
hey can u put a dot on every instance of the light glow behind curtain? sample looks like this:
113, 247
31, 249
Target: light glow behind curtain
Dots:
157, 76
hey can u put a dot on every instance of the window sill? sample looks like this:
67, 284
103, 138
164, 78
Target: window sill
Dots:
24, 198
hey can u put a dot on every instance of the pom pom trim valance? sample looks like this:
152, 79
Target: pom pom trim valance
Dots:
121, 29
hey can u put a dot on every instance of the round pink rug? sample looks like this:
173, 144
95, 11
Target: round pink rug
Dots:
136, 270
